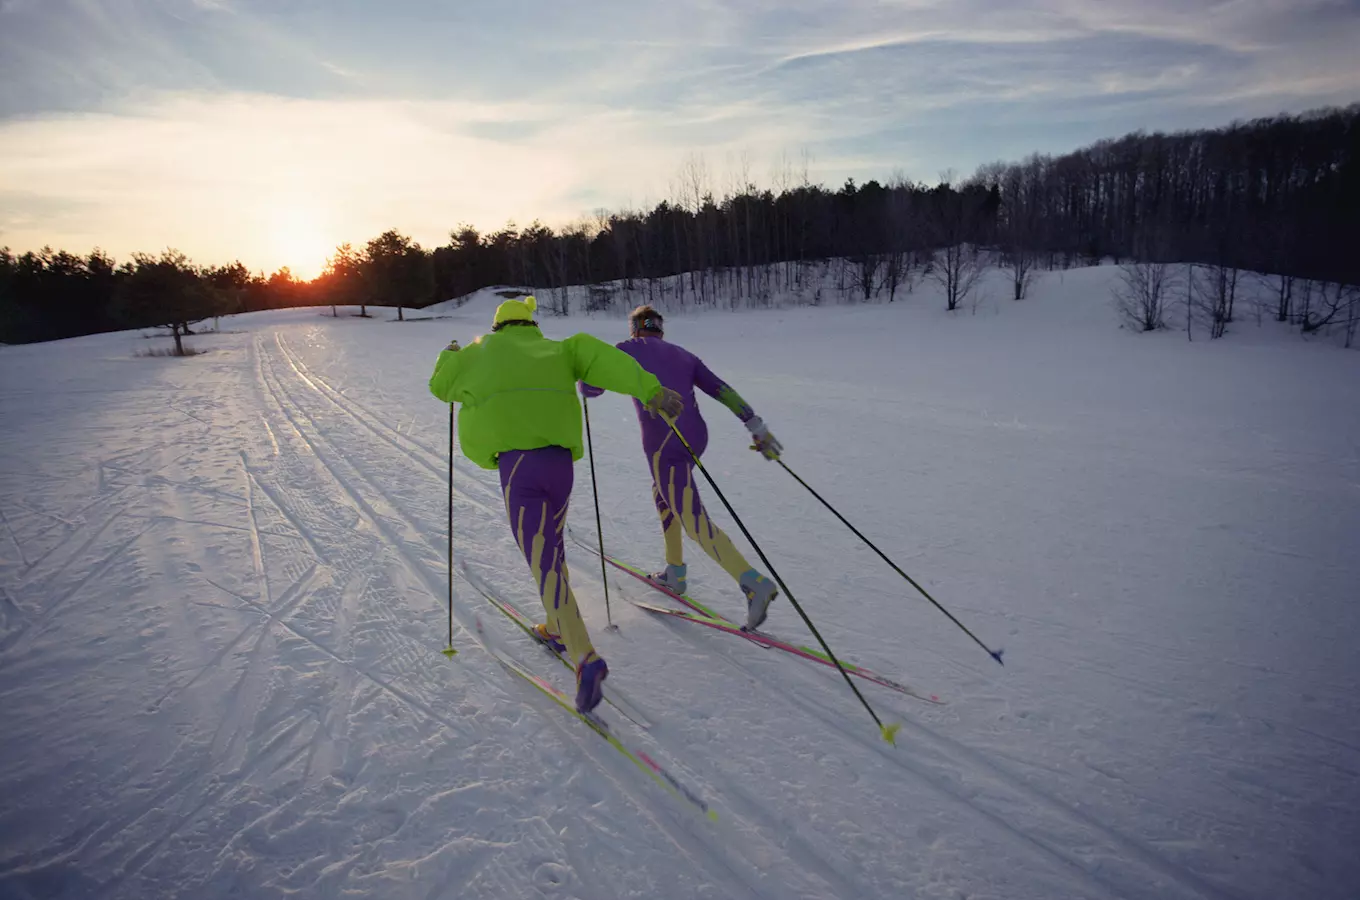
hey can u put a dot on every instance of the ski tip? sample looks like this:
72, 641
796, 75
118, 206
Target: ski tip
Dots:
996, 655
890, 732
449, 651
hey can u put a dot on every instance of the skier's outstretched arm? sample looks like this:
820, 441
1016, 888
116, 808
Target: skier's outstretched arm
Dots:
604, 366
765, 443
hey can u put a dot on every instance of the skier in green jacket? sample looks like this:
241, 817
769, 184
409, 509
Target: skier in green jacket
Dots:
521, 416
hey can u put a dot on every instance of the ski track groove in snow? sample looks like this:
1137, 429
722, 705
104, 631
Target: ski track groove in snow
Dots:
72, 533
161, 518
31, 575
13, 537
351, 408
426, 457
335, 720
256, 761
273, 441
245, 698
11, 616
256, 547
304, 533
212, 663
105, 834
398, 693
415, 704
28, 508
605, 759
18, 639
28, 573
101, 833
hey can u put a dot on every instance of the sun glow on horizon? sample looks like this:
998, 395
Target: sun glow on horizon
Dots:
297, 239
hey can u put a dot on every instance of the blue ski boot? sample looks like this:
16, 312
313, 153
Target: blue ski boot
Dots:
590, 676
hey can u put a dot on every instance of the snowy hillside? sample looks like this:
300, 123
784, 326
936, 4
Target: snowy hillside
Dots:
222, 601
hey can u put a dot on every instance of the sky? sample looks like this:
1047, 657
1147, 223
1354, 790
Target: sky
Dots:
272, 131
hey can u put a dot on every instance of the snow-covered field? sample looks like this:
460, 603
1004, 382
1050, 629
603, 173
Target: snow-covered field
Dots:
222, 589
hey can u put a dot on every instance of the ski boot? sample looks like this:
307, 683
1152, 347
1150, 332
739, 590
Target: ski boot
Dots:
590, 676
760, 593
672, 578
550, 640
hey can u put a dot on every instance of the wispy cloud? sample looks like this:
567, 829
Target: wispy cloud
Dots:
217, 125
101, 54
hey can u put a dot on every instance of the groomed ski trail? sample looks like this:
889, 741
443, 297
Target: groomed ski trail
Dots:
222, 589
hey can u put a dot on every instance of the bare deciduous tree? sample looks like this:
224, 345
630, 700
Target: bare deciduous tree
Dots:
1215, 294
1021, 263
957, 269
1144, 293
903, 236
898, 271
861, 270
1352, 313
1283, 297
959, 217
1336, 306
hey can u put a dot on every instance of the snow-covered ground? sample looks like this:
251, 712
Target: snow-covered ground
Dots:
222, 590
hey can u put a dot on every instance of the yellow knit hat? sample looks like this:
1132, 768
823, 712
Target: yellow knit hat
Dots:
516, 311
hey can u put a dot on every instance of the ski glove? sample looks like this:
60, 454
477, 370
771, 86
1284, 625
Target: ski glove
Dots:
453, 345
590, 390
666, 402
766, 444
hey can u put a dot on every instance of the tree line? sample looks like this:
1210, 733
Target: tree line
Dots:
1278, 195
47, 294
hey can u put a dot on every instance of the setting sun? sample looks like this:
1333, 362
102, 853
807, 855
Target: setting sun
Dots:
296, 239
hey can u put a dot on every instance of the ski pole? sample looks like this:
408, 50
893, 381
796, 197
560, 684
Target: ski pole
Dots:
595, 487
994, 654
449, 651
889, 732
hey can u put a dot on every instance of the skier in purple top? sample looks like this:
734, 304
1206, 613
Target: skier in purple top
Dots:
673, 489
